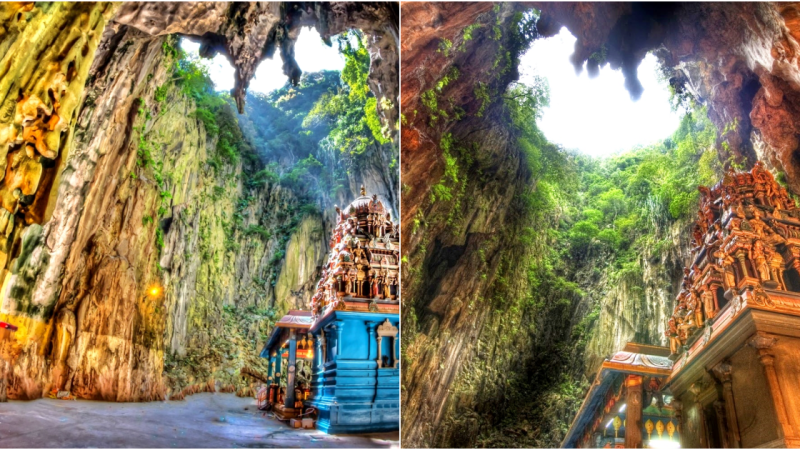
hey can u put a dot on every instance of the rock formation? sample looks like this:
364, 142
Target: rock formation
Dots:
120, 264
740, 60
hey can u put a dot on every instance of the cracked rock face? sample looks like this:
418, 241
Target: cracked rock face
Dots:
77, 215
738, 59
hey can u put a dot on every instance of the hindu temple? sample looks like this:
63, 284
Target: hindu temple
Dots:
339, 362
731, 375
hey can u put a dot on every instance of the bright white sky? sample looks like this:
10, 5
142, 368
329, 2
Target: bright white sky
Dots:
597, 116
311, 53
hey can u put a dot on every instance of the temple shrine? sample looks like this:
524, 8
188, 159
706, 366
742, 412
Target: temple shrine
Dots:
350, 335
731, 378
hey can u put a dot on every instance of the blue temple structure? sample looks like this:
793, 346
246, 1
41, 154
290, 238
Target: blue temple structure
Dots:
354, 325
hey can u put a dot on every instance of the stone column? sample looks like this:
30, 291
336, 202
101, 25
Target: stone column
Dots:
633, 412
380, 348
723, 373
372, 349
324, 345
395, 340
290, 371
278, 361
318, 361
677, 405
763, 343
719, 409
339, 330
269, 369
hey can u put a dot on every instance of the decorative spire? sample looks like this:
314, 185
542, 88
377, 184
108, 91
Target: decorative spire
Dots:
363, 190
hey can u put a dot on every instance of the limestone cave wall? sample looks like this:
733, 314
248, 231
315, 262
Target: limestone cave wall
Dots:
472, 353
119, 263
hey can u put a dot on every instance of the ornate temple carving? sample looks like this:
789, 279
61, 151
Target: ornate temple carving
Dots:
361, 272
746, 240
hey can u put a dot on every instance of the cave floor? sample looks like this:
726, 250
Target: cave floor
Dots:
202, 420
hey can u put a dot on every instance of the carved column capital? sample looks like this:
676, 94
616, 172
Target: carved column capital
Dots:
723, 371
762, 343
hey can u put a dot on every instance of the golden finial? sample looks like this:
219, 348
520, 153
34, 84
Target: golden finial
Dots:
363, 190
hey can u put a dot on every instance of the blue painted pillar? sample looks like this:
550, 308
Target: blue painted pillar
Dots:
317, 353
373, 347
278, 359
269, 370
339, 330
290, 371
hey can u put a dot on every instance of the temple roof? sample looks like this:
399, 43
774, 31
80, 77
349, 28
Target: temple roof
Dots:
294, 319
630, 360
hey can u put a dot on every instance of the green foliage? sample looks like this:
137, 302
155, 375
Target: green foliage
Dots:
444, 47
631, 199
259, 231
159, 238
161, 93
351, 109
481, 92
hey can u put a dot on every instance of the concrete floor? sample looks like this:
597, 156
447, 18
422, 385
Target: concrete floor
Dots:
202, 420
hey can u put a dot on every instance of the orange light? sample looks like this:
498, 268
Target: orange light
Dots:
154, 291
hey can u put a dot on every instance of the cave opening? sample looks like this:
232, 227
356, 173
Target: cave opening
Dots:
311, 53
595, 99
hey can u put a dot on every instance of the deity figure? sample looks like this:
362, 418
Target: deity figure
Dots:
697, 237
758, 254
375, 287
672, 335
709, 307
685, 324
776, 264
347, 285
740, 211
726, 262
353, 282
701, 222
387, 290
694, 306
758, 225
687, 279
715, 236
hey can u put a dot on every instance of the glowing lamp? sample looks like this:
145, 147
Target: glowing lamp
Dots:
154, 291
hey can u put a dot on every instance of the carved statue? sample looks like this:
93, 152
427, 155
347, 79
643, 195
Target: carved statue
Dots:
709, 306
357, 265
742, 226
694, 307
672, 335
759, 257
375, 287
726, 262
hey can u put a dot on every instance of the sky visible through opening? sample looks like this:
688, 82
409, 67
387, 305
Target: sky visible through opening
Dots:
311, 54
596, 115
